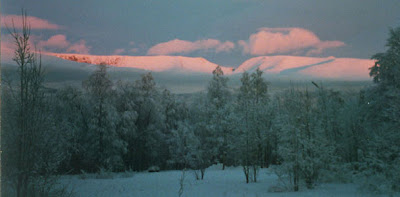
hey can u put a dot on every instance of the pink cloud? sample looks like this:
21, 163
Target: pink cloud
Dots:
118, 51
58, 41
122, 51
285, 40
183, 46
325, 45
79, 47
226, 46
134, 50
34, 22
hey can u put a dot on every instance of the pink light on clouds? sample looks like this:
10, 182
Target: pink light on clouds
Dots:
285, 40
134, 50
226, 46
182, 46
79, 47
122, 51
35, 22
325, 45
58, 41
118, 51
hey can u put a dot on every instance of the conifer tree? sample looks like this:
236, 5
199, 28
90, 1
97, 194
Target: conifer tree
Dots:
382, 112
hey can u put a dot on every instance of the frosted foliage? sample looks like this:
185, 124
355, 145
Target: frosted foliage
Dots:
184, 145
253, 129
103, 121
302, 145
382, 109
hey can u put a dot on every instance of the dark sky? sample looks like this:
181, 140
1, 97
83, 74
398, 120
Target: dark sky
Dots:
343, 28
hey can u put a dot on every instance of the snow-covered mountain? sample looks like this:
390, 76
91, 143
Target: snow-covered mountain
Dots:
329, 67
289, 66
152, 63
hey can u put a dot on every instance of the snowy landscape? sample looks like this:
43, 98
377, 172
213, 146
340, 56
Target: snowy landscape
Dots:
242, 98
217, 183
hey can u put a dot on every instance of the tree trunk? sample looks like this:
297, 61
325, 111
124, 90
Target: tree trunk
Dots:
255, 172
296, 178
246, 173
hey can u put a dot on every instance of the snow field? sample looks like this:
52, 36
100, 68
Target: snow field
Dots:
217, 182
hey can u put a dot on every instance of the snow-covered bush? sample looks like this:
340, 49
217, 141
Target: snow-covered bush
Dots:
153, 169
104, 174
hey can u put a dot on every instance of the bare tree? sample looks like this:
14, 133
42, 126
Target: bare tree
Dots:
29, 147
27, 97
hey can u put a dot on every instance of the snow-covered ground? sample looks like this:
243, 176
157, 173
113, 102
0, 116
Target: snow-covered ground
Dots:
229, 182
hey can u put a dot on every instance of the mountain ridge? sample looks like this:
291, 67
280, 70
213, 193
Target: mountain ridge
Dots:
320, 67
152, 63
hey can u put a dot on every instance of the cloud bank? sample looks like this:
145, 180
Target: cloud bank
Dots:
182, 47
35, 22
118, 51
60, 42
269, 41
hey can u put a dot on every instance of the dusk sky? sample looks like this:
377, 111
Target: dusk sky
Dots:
222, 31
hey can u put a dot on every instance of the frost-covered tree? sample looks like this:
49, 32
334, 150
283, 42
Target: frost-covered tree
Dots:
147, 117
73, 121
252, 109
183, 145
218, 92
246, 147
126, 126
31, 152
386, 74
386, 70
262, 118
329, 110
218, 96
149, 124
382, 112
108, 145
206, 153
351, 144
303, 146
174, 112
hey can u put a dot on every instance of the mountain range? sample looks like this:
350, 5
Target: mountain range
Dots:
285, 66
